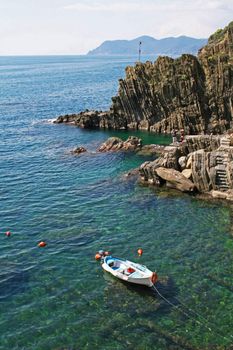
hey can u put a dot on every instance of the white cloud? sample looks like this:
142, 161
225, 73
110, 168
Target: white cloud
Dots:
151, 5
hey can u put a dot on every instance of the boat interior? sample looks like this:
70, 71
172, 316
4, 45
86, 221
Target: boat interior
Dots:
119, 265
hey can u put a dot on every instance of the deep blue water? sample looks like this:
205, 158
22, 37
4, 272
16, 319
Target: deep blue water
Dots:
58, 297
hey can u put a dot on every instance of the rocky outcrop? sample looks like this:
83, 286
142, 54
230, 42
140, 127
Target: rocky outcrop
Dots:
151, 150
209, 169
116, 144
190, 93
78, 150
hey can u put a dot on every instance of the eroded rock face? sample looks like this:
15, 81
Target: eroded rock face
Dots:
190, 93
163, 95
116, 144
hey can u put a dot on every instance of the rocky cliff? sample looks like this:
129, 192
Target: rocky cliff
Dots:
191, 93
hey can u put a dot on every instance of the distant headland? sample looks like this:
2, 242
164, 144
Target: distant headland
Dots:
150, 46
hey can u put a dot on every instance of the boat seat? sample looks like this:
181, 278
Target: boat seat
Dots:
111, 264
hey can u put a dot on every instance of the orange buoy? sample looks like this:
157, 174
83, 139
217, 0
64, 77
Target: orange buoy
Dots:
8, 233
42, 244
98, 256
154, 277
140, 251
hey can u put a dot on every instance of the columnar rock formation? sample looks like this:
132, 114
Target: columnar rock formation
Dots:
191, 93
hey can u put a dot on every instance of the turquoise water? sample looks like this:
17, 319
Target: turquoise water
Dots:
59, 297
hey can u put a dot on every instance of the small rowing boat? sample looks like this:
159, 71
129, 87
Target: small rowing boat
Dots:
129, 271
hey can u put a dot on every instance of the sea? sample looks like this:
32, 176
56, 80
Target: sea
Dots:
58, 297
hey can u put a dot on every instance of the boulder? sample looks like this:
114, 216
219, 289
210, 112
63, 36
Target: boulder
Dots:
189, 161
182, 161
112, 144
187, 173
132, 143
175, 179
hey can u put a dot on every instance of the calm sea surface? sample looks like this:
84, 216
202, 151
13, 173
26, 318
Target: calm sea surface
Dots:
59, 297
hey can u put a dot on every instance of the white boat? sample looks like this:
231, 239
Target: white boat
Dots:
129, 271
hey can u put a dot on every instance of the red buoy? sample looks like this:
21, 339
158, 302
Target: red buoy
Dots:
42, 244
8, 233
140, 251
154, 277
98, 256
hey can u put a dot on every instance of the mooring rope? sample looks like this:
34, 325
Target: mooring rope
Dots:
189, 316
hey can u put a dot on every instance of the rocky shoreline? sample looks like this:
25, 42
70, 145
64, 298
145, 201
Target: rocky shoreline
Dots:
201, 164
190, 93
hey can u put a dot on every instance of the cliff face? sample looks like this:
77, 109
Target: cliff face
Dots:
165, 95
191, 93
216, 59
195, 94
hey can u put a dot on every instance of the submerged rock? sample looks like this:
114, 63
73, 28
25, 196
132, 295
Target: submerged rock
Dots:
132, 173
151, 150
78, 150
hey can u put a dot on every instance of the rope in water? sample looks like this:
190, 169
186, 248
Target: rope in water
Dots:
188, 315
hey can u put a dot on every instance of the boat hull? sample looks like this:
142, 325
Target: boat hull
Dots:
139, 274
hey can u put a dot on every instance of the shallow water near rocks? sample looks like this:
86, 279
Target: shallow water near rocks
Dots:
59, 297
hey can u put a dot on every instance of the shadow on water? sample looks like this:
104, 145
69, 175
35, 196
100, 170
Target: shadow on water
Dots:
144, 309
166, 287
13, 283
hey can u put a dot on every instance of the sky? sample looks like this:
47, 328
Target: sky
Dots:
51, 27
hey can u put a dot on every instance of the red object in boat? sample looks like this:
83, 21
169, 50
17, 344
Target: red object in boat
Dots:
130, 270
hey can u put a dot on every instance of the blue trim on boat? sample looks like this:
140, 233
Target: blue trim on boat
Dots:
113, 258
